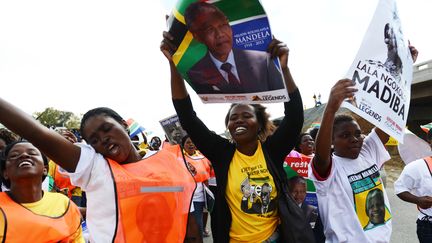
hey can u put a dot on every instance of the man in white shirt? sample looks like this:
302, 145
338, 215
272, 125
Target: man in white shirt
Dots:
414, 185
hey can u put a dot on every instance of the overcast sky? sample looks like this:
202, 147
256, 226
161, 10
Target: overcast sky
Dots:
77, 55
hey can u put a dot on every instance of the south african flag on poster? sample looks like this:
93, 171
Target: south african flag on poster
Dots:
221, 51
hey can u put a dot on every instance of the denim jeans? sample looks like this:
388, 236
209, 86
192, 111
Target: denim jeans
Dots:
198, 213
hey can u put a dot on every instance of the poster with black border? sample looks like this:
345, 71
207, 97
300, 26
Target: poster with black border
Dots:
173, 130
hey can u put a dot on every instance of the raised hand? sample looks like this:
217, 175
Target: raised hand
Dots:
414, 51
166, 46
342, 90
69, 136
279, 49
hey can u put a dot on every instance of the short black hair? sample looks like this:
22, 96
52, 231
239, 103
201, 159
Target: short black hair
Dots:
342, 118
194, 9
7, 136
295, 180
313, 132
100, 111
3, 158
183, 141
299, 139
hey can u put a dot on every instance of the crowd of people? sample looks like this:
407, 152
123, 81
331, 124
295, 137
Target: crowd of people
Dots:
105, 186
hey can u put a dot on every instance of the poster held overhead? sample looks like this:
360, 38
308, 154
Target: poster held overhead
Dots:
221, 51
173, 130
382, 72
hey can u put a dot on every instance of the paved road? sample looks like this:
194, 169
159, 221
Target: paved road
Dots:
404, 217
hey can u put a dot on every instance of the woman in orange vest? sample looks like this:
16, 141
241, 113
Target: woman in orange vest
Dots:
120, 185
199, 166
27, 213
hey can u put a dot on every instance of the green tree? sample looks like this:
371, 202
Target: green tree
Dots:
51, 117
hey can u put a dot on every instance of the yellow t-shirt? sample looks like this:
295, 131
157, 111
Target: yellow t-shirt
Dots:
251, 194
52, 205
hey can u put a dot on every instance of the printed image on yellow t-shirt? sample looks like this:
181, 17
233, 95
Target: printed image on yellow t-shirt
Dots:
369, 199
257, 197
251, 195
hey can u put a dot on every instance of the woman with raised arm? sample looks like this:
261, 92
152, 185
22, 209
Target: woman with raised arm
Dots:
128, 197
250, 201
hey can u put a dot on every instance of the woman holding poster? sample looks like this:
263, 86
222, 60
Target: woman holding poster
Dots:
251, 201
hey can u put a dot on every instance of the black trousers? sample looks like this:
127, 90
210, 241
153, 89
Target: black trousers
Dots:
424, 231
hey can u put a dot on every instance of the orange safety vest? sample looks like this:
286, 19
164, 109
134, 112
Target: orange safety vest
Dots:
201, 167
62, 182
198, 165
153, 199
38, 228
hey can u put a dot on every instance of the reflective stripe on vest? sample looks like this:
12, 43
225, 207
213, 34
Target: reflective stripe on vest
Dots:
153, 199
22, 225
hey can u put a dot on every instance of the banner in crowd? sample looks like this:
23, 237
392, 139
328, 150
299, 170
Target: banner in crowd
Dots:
297, 164
382, 72
221, 51
173, 130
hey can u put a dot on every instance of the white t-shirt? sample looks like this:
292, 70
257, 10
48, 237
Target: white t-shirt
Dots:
94, 177
343, 196
416, 179
3, 188
198, 195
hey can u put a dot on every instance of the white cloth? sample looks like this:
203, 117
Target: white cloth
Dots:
413, 148
45, 184
192, 208
93, 175
416, 179
212, 181
338, 200
198, 195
